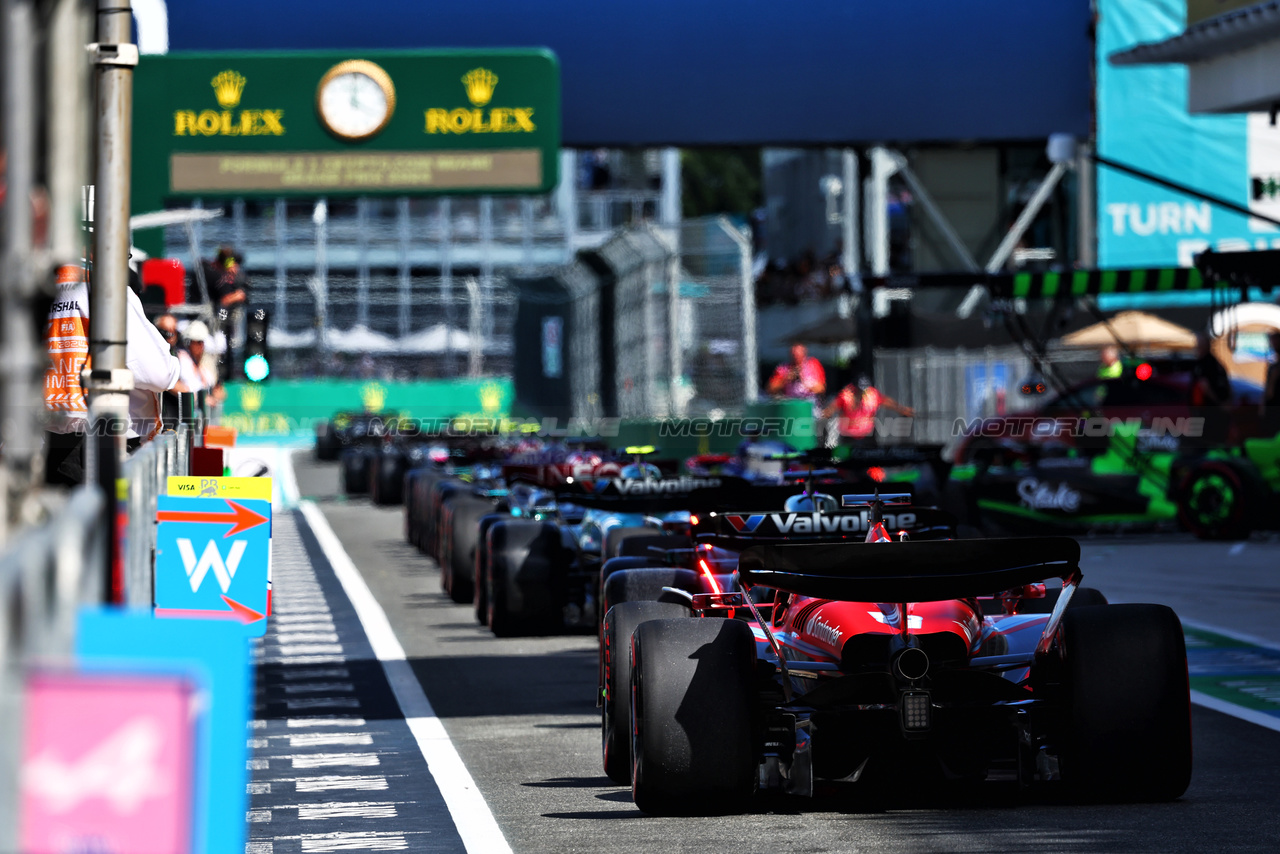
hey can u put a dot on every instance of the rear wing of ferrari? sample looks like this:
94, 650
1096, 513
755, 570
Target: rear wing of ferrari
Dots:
739, 528
919, 571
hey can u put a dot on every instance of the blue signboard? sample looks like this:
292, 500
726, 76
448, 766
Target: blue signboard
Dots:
1143, 122
981, 387
213, 559
215, 656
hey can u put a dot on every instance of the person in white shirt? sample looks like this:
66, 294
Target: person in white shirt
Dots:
197, 373
154, 368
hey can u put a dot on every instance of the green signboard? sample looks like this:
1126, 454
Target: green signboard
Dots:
292, 407
350, 123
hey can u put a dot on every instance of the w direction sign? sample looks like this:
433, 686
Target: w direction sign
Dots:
213, 559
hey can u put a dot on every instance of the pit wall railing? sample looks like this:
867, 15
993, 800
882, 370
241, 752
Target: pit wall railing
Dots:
51, 571
46, 575
145, 475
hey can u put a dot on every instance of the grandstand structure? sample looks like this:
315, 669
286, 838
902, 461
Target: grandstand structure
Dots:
410, 287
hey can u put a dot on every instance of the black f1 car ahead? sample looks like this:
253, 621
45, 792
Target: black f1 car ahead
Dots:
861, 661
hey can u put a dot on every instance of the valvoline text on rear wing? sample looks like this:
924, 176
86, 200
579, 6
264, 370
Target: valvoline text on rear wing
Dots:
655, 495
832, 524
922, 571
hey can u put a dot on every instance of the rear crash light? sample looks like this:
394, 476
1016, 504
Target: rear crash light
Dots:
916, 709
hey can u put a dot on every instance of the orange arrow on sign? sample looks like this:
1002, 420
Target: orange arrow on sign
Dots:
243, 613
241, 518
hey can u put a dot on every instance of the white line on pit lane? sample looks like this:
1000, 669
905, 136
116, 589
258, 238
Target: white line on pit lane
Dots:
1243, 713
471, 815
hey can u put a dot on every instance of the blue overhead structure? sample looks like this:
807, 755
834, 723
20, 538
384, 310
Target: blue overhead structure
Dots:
730, 72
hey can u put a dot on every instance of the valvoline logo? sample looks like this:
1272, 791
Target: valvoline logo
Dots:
745, 524
668, 486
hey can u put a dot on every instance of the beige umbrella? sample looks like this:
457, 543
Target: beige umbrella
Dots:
1135, 328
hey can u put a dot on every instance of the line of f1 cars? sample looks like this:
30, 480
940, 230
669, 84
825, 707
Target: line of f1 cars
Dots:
759, 634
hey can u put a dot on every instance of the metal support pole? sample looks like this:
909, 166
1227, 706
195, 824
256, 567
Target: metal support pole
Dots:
486, 267
282, 270
876, 207
671, 189
362, 262
446, 281
17, 271
1086, 210
851, 259
404, 233
474, 323
1020, 226
109, 381
567, 200
935, 213
68, 110
320, 281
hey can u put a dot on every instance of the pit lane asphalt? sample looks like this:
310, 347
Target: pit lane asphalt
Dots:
521, 713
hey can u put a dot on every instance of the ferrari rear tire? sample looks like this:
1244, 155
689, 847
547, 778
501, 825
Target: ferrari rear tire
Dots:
694, 717
1128, 707
615, 654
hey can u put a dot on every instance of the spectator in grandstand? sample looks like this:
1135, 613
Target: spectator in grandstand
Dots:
1109, 365
857, 405
802, 377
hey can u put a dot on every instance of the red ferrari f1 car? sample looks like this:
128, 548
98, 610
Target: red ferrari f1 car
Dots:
846, 661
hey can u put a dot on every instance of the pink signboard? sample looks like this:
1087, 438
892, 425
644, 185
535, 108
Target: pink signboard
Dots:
107, 764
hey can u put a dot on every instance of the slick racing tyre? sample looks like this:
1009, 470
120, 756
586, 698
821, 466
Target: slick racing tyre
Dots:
1216, 500
615, 680
354, 470
436, 496
694, 728
617, 564
416, 501
328, 443
652, 546
645, 585
387, 478
526, 578
480, 570
614, 537
464, 529
1128, 714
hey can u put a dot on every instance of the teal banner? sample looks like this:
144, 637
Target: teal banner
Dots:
1143, 122
293, 407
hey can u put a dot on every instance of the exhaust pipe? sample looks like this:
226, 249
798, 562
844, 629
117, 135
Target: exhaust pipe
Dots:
912, 664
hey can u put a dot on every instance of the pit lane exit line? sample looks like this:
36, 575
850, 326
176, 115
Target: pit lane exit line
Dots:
471, 815
1226, 707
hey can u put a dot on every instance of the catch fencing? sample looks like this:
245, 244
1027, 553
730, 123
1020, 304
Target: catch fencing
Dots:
147, 475
46, 575
663, 322
49, 572
945, 386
